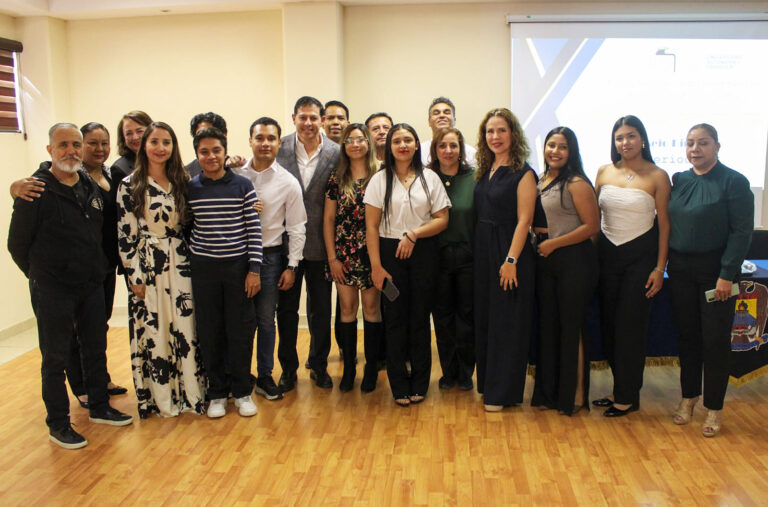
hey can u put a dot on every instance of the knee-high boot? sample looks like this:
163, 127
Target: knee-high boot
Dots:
348, 335
374, 335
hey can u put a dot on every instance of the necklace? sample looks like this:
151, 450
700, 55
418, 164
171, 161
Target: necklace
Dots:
629, 176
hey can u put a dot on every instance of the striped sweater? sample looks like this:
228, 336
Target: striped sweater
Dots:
225, 225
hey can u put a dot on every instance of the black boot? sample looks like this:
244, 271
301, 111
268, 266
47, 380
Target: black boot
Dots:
348, 335
374, 335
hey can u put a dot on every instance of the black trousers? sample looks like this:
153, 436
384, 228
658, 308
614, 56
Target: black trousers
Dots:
318, 318
566, 282
705, 328
59, 310
406, 319
625, 312
453, 313
75, 365
224, 318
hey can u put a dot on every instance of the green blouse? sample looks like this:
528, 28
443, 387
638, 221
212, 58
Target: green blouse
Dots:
712, 212
461, 221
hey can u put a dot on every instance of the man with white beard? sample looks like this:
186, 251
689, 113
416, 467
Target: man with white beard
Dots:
56, 242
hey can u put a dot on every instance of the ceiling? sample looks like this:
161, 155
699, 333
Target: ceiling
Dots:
89, 9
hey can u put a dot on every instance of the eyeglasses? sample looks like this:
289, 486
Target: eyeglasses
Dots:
355, 140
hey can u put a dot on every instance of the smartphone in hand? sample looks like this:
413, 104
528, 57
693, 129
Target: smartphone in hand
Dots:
710, 294
389, 290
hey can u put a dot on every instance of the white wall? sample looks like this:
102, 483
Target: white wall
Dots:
173, 67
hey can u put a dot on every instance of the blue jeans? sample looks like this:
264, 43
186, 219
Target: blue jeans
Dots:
265, 303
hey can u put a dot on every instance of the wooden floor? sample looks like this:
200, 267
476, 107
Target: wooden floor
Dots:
323, 447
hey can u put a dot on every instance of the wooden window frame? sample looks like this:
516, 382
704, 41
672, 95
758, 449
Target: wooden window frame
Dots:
10, 90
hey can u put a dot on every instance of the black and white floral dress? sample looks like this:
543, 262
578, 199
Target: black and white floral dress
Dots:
165, 359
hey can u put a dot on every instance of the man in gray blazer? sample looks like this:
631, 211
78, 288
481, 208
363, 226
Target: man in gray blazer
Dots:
310, 157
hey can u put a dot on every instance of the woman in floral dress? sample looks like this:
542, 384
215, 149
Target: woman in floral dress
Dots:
348, 263
152, 208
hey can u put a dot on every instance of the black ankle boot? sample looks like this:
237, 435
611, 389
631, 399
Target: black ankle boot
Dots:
374, 335
348, 332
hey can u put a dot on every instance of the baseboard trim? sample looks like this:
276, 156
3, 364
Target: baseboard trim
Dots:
18, 328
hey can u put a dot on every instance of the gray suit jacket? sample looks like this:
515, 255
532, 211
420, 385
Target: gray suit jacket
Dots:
314, 194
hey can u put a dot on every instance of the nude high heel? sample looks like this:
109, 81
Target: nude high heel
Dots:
712, 423
684, 411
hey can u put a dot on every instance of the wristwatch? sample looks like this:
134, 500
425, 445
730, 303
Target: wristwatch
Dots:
511, 260
292, 268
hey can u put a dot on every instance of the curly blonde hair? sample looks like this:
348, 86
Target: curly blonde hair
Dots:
518, 149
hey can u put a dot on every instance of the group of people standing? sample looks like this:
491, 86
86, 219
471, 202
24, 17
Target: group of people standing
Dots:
472, 237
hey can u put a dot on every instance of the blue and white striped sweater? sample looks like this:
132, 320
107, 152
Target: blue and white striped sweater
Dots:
225, 224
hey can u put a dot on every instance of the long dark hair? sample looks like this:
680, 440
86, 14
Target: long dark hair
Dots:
434, 163
573, 166
343, 174
174, 169
389, 167
630, 121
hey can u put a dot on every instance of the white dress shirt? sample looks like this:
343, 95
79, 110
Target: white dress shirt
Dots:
280, 194
407, 209
307, 164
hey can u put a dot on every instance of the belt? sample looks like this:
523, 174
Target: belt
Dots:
272, 249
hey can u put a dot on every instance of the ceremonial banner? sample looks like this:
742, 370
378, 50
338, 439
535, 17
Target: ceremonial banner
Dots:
749, 339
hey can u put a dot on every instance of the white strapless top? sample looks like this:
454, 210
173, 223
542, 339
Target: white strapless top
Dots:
627, 213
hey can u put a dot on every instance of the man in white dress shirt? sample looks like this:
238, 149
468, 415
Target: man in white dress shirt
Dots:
309, 156
442, 114
282, 213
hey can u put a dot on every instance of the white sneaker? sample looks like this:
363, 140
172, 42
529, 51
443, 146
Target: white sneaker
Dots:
246, 406
217, 408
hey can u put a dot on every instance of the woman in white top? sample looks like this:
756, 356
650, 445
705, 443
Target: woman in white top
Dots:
633, 194
405, 208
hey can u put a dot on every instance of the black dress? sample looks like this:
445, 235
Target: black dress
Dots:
503, 319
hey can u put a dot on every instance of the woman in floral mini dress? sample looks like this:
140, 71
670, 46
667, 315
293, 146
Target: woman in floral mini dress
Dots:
348, 263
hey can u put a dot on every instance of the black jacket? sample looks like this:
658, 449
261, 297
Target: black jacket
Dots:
54, 239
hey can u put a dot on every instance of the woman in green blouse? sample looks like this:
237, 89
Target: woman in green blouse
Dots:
711, 209
453, 312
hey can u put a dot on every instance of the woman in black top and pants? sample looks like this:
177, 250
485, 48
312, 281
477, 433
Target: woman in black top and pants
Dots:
712, 214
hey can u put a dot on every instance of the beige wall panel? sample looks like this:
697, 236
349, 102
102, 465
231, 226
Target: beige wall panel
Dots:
173, 67
398, 59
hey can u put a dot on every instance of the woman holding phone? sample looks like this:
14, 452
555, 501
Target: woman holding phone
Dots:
712, 214
406, 207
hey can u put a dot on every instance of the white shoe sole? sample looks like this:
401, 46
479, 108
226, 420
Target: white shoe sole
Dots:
110, 422
270, 397
247, 411
216, 415
67, 446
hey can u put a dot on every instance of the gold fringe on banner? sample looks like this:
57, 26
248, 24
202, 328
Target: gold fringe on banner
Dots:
649, 361
738, 382
671, 361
